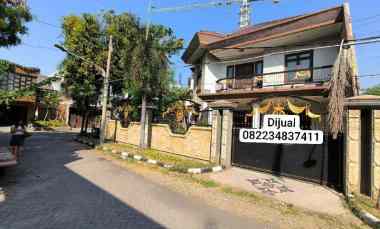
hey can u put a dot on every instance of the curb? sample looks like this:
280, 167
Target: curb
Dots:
366, 217
84, 141
126, 155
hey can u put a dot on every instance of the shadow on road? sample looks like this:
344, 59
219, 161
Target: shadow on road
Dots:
44, 193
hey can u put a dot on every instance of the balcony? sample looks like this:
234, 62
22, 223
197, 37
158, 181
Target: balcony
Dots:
299, 77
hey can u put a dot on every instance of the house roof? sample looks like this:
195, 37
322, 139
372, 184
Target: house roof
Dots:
204, 41
363, 101
20, 69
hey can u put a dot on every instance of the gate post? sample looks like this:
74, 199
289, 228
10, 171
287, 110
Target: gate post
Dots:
216, 136
353, 151
226, 143
376, 155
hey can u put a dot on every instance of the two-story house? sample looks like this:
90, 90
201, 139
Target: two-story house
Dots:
278, 67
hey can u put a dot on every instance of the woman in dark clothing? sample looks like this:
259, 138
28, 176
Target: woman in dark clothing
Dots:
18, 132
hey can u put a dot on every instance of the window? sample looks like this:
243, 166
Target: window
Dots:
299, 66
245, 70
230, 72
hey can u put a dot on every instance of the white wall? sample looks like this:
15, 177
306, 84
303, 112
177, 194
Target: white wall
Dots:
211, 72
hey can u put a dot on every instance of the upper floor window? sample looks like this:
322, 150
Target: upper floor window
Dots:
245, 70
298, 66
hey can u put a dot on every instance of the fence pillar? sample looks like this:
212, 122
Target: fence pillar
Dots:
226, 137
376, 155
256, 116
353, 151
216, 136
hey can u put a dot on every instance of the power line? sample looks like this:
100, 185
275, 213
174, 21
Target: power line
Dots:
369, 76
46, 23
364, 19
38, 46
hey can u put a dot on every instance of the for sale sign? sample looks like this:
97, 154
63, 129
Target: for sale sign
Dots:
281, 129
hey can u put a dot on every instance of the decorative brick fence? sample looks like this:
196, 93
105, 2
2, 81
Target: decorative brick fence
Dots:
196, 143
363, 146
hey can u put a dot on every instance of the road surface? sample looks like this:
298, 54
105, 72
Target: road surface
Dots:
60, 184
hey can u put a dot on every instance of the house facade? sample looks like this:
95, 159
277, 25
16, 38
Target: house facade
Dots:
18, 78
279, 67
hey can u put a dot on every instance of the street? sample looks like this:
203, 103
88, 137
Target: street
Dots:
60, 184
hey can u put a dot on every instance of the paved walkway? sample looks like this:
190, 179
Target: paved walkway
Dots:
306, 195
60, 184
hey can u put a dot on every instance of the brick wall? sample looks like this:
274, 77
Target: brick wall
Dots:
196, 143
354, 152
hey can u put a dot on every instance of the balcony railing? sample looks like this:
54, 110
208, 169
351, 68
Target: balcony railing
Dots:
300, 76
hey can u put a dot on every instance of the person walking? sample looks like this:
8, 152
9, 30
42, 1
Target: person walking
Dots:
18, 132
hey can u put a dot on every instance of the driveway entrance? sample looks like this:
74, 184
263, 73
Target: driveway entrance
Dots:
322, 164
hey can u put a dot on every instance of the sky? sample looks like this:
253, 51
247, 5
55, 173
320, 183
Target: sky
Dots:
38, 49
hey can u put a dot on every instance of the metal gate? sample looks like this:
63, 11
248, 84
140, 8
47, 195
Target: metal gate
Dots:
366, 149
306, 162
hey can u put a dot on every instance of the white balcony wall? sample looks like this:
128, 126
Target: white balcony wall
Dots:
211, 72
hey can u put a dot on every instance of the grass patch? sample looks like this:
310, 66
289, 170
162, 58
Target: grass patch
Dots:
205, 182
239, 193
49, 123
181, 164
366, 204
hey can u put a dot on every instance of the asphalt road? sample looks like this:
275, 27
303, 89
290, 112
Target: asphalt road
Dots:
60, 184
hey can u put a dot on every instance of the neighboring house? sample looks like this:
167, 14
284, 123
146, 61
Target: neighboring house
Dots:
62, 112
19, 77
277, 67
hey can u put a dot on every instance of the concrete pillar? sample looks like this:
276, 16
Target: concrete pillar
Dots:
226, 138
353, 152
216, 136
256, 116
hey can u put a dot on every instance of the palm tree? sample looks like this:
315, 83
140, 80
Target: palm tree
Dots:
150, 66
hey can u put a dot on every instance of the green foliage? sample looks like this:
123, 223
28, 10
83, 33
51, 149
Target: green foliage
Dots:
139, 66
5, 66
13, 16
50, 99
150, 73
375, 90
49, 124
7, 97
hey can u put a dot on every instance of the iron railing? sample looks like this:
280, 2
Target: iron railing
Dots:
300, 76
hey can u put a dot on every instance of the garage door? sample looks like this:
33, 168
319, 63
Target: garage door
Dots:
306, 162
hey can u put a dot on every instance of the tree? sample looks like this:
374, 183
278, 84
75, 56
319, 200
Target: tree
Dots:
150, 66
13, 16
140, 66
375, 90
83, 36
50, 100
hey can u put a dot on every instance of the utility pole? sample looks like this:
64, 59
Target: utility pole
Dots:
106, 75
